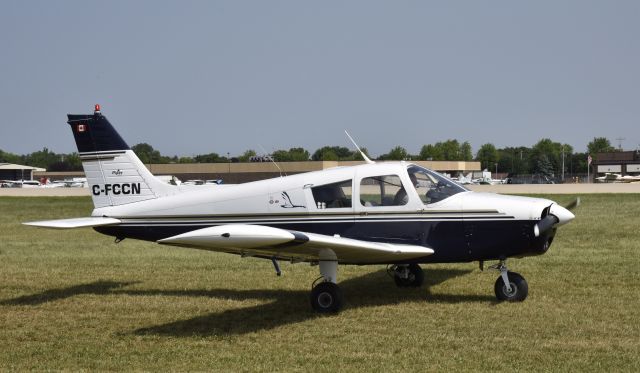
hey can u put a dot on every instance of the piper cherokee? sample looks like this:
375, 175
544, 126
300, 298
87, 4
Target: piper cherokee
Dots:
393, 213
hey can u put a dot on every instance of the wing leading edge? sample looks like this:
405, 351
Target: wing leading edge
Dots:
74, 223
261, 240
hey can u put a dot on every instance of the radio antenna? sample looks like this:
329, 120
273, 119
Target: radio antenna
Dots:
366, 159
272, 160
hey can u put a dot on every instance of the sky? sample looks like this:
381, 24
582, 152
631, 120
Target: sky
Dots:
195, 77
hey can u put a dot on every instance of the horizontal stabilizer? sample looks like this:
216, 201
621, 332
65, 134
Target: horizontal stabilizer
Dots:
74, 223
267, 241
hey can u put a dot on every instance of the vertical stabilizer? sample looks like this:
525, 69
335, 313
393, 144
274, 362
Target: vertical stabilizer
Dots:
115, 175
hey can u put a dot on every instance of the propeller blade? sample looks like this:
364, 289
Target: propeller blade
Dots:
575, 203
544, 225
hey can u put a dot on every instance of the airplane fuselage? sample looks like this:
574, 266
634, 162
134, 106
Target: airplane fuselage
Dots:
466, 226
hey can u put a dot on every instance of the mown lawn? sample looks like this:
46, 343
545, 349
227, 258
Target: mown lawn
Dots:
75, 300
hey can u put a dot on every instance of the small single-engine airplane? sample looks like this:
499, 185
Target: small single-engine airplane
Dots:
393, 213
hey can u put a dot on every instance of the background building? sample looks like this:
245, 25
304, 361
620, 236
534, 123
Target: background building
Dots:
10, 171
623, 163
234, 173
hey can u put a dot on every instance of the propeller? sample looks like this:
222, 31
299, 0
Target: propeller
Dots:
573, 204
548, 220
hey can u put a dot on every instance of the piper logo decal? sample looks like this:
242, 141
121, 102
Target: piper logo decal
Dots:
116, 189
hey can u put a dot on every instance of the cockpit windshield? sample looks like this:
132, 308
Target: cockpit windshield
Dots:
431, 186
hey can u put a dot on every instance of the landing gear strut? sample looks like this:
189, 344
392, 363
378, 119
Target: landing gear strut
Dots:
407, 275
326, 297
510, 286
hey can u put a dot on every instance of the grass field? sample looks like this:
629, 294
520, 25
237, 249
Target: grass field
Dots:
74, 300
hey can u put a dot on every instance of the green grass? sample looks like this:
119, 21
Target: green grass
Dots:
74, 300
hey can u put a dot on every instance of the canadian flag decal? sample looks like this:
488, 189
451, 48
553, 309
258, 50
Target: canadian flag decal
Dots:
82, 127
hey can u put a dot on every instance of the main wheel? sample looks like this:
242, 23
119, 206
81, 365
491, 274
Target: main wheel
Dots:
519, 288
415, 277
326, 297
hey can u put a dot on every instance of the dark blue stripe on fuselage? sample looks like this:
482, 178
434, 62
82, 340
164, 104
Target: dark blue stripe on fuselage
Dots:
452, 240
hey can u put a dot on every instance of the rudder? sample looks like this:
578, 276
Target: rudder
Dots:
115, 175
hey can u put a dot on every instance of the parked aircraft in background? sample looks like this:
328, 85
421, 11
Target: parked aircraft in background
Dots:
393, 213
19, 183
617, 178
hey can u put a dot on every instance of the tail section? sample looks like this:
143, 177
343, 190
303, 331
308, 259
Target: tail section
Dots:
115, 175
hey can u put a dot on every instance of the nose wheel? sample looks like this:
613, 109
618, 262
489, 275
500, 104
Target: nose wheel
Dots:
510, 286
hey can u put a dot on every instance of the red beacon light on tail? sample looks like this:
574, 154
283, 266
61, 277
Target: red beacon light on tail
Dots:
97, 108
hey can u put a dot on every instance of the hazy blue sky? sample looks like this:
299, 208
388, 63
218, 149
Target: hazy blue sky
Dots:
193, 77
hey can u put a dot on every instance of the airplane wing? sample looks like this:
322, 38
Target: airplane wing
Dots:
259, 240
74, 223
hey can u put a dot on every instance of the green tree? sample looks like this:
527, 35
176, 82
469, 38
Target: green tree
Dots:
450, 150
6, 157
514, 160
552, 151
396, 154
291, 155
147, 153
599, 145
544, 166
466, 154
358, 157
42, 158
333, 153
209, 158
430, 152
246, 156
487, 156
577, 163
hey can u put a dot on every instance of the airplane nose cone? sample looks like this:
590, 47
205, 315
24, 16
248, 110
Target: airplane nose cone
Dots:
564, 216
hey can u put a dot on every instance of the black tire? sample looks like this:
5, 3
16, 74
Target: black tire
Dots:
326, 297
415, 279
519, 288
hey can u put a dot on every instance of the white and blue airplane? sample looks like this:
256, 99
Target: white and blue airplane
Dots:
393, 213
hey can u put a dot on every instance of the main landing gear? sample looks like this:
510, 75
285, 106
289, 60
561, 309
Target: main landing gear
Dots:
326, 296
407, 275
510, 286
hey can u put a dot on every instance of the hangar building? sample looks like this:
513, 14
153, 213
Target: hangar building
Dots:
623, 163
10, 171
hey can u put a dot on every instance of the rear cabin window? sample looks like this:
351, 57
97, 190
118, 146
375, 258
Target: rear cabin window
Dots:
384, 190
336, 195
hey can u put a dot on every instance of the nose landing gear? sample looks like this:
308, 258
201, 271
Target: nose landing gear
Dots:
510, 286
407, 275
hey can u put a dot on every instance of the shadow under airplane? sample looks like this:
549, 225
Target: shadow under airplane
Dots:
282, 307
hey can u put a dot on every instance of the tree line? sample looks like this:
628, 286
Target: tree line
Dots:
545, 157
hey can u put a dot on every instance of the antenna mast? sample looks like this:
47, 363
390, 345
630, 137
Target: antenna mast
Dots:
272, 160
366, 159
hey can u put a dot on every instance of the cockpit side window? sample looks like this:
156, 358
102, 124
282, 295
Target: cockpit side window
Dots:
431, 186
335, 195
386, 190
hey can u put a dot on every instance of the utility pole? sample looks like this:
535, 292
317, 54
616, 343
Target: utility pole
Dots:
562, 163
620, 140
